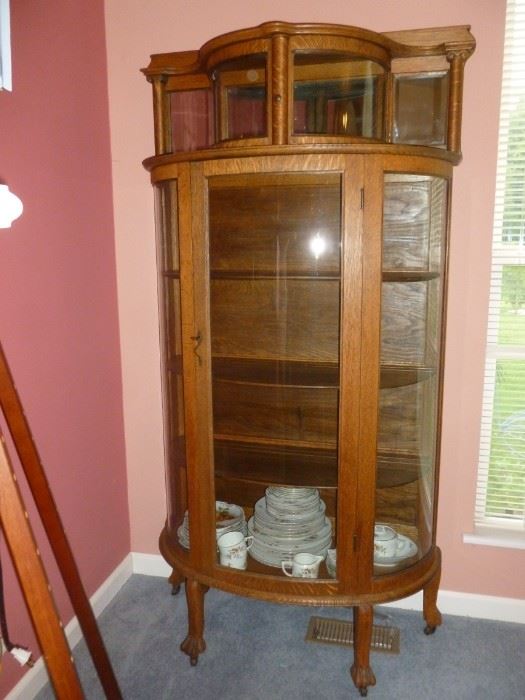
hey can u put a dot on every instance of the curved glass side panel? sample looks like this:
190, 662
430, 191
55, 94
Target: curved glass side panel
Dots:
421, 109
172, 385
414, 229
240, 98
192, 120
274, 244
335, 93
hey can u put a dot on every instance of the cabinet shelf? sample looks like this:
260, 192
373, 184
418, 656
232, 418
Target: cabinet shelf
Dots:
387, 275
409, 275
293, 464
304, 374
283, 372
273, 276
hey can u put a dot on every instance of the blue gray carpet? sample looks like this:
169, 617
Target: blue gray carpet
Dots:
256, 651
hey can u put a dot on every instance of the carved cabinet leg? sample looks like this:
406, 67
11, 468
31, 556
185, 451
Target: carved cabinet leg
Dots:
430, 610
361, 673
194, 643
175, 580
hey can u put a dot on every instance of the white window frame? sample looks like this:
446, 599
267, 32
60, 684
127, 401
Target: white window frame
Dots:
5, 47
501, 531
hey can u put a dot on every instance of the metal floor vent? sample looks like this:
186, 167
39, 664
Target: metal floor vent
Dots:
327, 631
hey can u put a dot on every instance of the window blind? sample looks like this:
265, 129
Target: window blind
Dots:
500, 497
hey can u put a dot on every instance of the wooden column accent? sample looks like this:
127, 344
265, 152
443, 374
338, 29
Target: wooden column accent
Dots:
280, 94
388, 114
457, 61
34, 584
161, 120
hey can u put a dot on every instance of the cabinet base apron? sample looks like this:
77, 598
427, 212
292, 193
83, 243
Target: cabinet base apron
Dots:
318, 593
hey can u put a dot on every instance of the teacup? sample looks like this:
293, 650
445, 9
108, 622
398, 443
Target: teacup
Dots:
233, 549
303, 565
387, 543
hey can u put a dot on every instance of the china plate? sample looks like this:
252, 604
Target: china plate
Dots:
408, 550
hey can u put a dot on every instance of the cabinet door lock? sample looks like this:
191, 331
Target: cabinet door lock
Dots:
197, 340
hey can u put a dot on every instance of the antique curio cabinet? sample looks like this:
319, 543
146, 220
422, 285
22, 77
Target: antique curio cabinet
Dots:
303, 179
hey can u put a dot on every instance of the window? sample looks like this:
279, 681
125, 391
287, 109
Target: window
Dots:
500, 499
5, 46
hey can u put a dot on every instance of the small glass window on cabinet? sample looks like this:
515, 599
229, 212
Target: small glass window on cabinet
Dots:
192, 120
335, 93
240, 98
421, 109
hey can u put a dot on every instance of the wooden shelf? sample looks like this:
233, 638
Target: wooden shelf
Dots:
285, 372
304, 374
409, 275
393, 376
387, 275
396, 469
312, 275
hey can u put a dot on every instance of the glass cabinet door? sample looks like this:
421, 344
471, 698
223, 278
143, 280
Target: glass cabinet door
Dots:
275, 267
414, 229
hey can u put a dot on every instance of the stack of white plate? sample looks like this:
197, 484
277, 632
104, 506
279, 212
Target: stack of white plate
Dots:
228, 518
287, 521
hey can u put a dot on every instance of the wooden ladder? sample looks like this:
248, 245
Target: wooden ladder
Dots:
26, 559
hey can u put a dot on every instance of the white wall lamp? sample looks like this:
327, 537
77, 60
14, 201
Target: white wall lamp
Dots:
10, 207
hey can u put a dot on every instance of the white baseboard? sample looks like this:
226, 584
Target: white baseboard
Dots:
449, 602
150, 565
36, 678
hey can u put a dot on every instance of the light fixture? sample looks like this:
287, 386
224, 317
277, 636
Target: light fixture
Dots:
10, 207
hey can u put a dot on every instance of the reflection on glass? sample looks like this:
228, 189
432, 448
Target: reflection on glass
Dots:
337, 94
275, 286
421, 109
240, 96
414, 227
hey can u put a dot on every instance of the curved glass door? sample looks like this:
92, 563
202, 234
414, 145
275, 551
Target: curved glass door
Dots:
414, 229
274, 251
171, 345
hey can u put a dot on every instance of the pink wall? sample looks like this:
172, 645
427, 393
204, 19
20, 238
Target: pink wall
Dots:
58, 316
137, 29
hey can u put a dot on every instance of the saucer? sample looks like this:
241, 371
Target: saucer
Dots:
408, 549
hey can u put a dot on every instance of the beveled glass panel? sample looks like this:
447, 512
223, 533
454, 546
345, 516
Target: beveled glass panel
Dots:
421, 109
192, 120
335, 93
275, 265
171, 348
240, 98
414, 230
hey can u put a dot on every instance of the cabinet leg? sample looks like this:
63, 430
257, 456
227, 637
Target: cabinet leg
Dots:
175, 580
361, 673
194, 643
430, 610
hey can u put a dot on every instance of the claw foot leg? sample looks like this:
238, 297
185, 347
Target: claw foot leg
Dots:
194, 643
431, 613
361, 672
175, 580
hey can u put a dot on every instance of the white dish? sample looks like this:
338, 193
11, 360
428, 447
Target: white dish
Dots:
408, 549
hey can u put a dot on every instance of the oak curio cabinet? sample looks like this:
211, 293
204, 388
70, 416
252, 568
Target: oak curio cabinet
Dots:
303, 186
